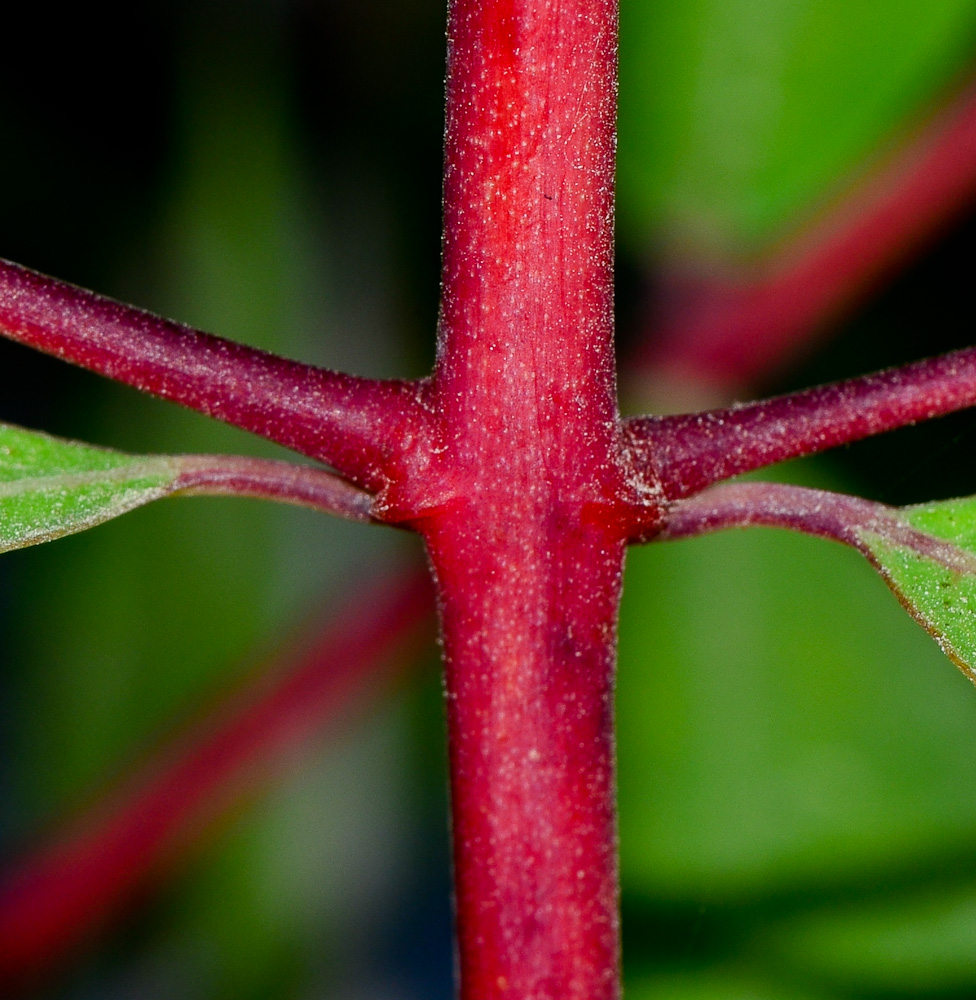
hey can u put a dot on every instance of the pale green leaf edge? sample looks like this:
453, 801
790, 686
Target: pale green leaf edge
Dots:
940, 596
51, 487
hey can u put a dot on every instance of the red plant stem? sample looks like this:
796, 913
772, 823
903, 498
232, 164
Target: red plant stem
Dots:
685, 453
735, 332
836, 516
303, 485
523, 508
528, 625
359, 426
52, 901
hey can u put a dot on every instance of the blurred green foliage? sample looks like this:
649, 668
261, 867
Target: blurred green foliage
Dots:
800, 753
737, 119
798, 761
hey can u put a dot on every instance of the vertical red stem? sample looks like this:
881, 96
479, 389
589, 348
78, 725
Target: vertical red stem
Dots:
523, 510
528, 615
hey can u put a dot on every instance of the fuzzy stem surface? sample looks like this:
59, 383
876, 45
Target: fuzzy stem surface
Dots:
683, 454
284, 482
837, 516
362, 427
524, 504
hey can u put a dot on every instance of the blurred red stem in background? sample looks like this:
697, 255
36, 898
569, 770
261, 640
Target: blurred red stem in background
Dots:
731, 333
53, 900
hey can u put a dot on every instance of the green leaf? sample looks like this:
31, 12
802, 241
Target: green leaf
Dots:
935, 581
789, 734
50, 487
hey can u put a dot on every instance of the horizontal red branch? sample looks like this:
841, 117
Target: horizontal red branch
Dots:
735, 331
53, 901
683, 454
359, 426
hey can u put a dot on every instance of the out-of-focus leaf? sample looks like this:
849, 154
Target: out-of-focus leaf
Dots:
919, 943
939, 592
123, 633
790, 747
721, 984
738, 115
50, 487
783, 724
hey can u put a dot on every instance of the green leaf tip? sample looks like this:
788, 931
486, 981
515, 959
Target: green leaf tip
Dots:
931, 567
926, 553
50, 487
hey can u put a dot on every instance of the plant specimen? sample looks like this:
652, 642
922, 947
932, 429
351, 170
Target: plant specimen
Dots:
513, 463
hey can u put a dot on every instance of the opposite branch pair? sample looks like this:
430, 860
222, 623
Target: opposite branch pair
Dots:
365, 427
